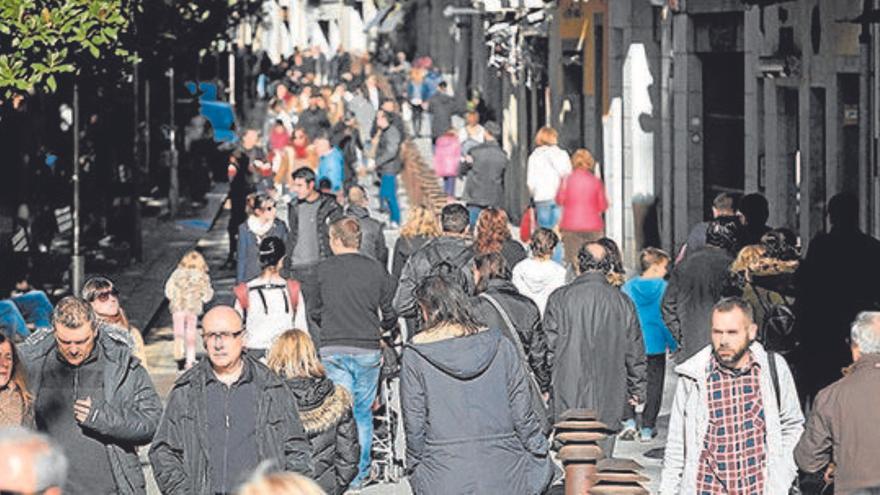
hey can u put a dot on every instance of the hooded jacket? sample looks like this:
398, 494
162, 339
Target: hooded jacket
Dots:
538, 279
130, 413
596, 348
373, 236
178, 453
646, 294
694, 287
689, 422
325, 410
468, 419
526, 318
418, 266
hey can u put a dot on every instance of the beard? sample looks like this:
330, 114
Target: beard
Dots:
733, 360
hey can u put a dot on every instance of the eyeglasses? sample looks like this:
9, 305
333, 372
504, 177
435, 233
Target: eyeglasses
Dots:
103, 296
222, 336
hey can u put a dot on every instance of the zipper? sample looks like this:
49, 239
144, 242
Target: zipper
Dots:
226, 442
76, 384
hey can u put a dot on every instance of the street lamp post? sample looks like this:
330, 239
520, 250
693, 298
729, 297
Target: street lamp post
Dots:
173, 183
78, 261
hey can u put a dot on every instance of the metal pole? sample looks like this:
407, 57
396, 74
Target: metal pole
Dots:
137, 245
78, 261
147, 125
231, 75
174, 185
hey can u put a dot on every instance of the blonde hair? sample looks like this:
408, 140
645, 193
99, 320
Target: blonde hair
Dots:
420, 221
193, 259
546, 136
582, 158
293, 355
281, 484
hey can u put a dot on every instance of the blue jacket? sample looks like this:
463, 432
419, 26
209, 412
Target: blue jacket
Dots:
647, 294
331, 166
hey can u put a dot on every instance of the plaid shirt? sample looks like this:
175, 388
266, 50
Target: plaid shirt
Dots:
734, 456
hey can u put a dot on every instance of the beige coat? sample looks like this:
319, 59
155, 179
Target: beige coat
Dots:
187, 290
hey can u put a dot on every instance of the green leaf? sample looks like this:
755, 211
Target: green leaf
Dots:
51, 84
94, 51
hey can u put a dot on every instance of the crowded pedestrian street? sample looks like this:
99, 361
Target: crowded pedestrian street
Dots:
440, 247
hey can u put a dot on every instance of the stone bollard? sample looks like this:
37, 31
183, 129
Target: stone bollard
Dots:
579, 434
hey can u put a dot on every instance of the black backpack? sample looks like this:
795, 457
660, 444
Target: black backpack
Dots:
777, 326
453, 268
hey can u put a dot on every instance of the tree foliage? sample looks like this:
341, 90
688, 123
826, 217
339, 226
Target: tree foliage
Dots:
41, 39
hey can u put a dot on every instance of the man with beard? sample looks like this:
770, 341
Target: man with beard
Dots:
736, 417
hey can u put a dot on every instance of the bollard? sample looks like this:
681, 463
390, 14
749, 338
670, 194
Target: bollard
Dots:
579, 434
618, 477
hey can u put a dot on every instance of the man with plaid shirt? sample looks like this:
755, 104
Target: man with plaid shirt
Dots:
733, 425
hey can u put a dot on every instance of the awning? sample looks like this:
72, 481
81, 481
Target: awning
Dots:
380, 16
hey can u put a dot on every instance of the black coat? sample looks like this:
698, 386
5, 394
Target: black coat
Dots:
526, 319
131, 409
695, 285
419, 266
442, 107
314, 122
484, 182
404, 247
597, 353
325, 410
388, 152
328, 212
178, 457
468, 418
372, 235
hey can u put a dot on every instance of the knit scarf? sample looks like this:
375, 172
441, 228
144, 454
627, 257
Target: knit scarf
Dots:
259, 228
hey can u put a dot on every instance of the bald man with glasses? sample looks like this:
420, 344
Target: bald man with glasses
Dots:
225, 416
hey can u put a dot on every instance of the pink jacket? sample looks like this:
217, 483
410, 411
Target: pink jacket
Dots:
582, 198
447, 153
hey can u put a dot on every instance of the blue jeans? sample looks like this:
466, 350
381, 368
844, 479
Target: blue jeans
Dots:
449, 186
33, 307
547, 214
474, 212
359, 373
388, 196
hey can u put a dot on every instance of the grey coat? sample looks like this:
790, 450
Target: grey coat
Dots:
484, 183
178, 456
596, 349
468, 418
695, 286
131, 409
418, 266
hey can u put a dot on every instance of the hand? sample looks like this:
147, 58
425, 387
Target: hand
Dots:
546, 397
81, 409
828, 476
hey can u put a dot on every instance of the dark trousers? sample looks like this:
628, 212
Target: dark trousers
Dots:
307, 276
656, 378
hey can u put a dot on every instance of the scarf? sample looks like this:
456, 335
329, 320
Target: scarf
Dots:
259, 228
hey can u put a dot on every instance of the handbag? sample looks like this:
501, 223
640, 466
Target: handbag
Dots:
527, 224
538, 404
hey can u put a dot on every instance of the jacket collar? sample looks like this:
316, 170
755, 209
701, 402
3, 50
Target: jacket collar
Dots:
499, 285
696, 368
357, 211
199, 374
591, 277
867, 361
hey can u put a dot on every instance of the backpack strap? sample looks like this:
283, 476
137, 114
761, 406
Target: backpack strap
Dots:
508, 323
774, 375
241, 294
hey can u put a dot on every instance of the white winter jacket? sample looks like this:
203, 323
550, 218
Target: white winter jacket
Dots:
688, 423
537, 279
547, 166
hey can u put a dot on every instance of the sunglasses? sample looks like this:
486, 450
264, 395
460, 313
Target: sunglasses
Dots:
105, 295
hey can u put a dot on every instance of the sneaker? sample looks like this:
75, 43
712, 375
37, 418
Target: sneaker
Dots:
646, 435
629, 431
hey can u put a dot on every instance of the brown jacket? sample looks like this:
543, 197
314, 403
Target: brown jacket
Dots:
842, 429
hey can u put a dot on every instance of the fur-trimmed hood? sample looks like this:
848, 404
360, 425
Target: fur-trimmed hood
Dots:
321, 403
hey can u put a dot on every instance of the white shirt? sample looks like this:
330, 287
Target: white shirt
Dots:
547, 166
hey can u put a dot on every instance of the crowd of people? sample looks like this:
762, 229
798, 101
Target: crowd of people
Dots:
497, 341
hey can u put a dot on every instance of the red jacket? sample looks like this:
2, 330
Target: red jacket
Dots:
582, 198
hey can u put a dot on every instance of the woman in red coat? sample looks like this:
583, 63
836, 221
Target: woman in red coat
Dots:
582, 199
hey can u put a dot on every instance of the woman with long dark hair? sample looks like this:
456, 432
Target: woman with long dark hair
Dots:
16, 403
469, 422
103, 296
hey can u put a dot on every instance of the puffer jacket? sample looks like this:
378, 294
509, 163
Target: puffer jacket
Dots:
526, 319
388, 152
447, 154
689, 422
373, 235
177, 454
131, 409
468, 419
325, 411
